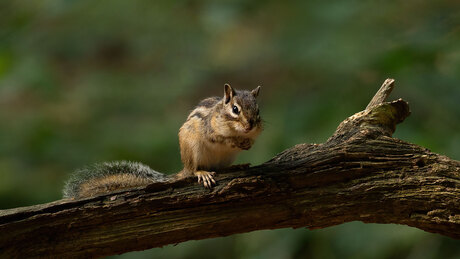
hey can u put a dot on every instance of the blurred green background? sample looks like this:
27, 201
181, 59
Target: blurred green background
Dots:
90, 81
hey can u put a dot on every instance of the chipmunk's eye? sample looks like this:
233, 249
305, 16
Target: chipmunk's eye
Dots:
235, 110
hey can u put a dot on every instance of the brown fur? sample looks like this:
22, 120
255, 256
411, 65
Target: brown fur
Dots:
213, 134
211, 137
110, 183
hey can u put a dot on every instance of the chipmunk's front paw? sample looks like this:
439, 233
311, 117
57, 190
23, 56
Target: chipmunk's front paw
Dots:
205, 177
245, 144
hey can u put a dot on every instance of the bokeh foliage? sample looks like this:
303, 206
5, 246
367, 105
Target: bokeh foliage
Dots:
89, 81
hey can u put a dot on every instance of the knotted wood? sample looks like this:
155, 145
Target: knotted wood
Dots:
360, 174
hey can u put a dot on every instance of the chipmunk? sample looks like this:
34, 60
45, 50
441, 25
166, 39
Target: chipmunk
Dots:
211, 137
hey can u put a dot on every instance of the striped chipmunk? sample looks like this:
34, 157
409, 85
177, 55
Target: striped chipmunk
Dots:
211, 137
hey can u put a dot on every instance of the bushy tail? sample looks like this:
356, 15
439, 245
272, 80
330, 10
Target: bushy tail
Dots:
109, 176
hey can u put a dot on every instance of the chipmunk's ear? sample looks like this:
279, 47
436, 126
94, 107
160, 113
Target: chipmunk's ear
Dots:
228, 93
255, 92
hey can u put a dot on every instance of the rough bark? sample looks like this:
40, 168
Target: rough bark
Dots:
360, 174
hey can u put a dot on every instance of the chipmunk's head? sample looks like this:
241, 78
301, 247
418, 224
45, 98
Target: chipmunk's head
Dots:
241, 111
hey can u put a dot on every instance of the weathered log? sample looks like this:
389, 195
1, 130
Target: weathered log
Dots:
360, 174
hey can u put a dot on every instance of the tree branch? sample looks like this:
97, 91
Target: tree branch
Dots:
360, 174
382, 93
